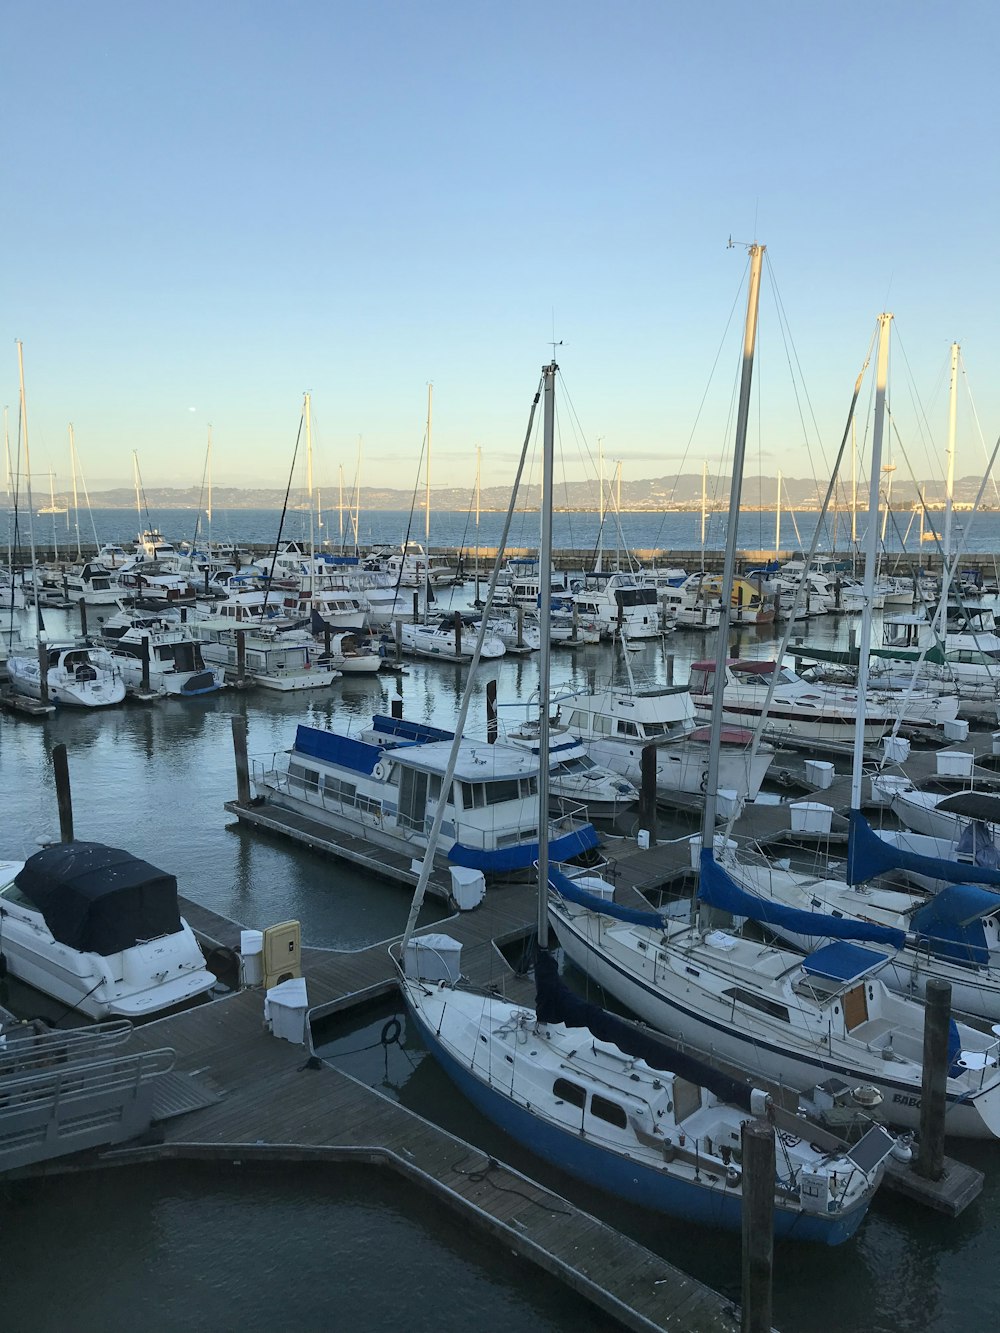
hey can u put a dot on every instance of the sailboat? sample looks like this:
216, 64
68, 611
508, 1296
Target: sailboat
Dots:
589, 1094
798, 1020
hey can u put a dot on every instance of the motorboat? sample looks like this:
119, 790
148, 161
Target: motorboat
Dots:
99, 930
271, 658
173, 658
387, 793
449, 639
74, 676
619, 603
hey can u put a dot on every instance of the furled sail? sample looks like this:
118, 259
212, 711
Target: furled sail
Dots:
869, 855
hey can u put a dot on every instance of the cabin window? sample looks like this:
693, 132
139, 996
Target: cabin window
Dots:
308, 777
412, 798
609, 1111
758, 1002
569, 1092
434, 787
477, 795
627, 729
687, 1098
579, 719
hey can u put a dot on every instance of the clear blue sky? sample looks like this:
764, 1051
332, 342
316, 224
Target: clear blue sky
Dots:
217, 206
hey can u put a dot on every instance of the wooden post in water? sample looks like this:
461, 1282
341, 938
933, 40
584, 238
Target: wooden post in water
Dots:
399, 640
520, 627
758, 1225
144, 658
416, 608
242, 763
82, 604
43, 672
492, 728
65, 582
670, 668
327, 644
64, 797
396, 706
241, 656
458, 634
933, 1099
647, 793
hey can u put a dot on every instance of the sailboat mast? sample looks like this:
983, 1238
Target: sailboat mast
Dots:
27, 472
704, 507
777, 518
10, 488
949, 491
52, 507
309, 488
427, 492
544, 657
871, 552
600, 507
208, 511
479, 465
732, 533
76, 502
340, 504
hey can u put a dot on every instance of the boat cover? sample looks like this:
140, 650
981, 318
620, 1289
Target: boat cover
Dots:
333, 748
842, 962
973, 804
717, 888
100, 899
952, 923
565, 887
869, 855
556, 1003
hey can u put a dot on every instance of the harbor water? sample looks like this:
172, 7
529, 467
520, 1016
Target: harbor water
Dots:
217, 1248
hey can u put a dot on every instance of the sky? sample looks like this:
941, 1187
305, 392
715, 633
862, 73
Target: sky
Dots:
212, 209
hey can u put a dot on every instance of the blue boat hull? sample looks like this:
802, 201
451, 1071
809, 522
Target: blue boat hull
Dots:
629, 1180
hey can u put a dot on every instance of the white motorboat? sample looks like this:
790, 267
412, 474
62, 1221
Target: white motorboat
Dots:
619, 603
388, 793
444, 641
99, 930
175, 662
74, 676
93, 583
273, 659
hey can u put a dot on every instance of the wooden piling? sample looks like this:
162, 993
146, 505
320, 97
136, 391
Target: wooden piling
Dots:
396, 706
647, 793
242, 763
82, 604
520, 628
399, 639
670, 668
416, 608
144, 658
64, 796
758, 1225
43, 671
492, 727
933, 1099
458, 633
241, 656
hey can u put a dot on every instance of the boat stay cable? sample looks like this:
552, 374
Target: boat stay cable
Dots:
281, 521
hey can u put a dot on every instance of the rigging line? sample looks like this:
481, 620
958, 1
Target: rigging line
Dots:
409, 521
921, 415
789, 341
758, 733
201, 496
975, 417
281, 523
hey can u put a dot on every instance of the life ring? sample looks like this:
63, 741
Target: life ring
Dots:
391, 1032
704, 782
380, 771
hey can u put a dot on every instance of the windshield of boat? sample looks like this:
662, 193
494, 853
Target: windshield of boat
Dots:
576, 765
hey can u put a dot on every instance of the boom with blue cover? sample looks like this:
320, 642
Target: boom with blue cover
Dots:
565, 887
717, 888
868, 855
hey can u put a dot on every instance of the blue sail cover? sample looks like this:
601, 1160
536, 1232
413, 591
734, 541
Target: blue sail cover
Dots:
565, 887
952, 923
717, 888
869, 855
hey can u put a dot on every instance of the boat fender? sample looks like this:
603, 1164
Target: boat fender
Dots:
391, 1032
380, 771
704, 781
902, 1149
733, 1176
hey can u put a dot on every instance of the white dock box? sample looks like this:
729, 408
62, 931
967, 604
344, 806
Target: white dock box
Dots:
468, 887
955, 729
810, 817
251, 957
819, 773
285, 1009
720, 843
897, 749
954, 764
433, 958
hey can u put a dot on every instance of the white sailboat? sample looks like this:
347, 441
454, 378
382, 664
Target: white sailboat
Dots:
625, 1116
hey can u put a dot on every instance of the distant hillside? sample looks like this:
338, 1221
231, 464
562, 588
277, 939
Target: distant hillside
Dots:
652, 493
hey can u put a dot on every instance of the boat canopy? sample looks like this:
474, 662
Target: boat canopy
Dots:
952, 923
333, 748
100, 899
973, 804
868, 855
556, 1003
842, 962
717, 888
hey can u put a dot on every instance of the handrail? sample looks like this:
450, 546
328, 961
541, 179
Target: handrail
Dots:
43, 1049
84, 1078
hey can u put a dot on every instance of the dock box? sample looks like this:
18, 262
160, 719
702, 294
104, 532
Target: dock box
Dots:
954, 764
810, 817
285, 1009
819, 773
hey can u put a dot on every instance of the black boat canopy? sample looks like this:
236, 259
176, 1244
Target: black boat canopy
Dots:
100, 899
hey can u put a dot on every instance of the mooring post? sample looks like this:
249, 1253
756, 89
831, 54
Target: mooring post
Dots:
241, 656
757, 1141
933, 1099
416, 608
144, 657
576, 623
670, 668
82, 604
64, 797
399, 639
458, 633
65, 582
492, 727
520, 627
396, 706
43, 673
647, 793
327, 641
242, 763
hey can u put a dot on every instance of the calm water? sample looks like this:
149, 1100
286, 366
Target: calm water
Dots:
211, 1249
577, 531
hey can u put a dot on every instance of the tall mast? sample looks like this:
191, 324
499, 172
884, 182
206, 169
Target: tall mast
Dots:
9, 480
871, 552
309, 489
27, 472
854, 498
777, 518
704, 501
427, 496
729, 565
52, 507
949, 487
544, 676
208, 511
479, 465
76, 503
600, 508
618, 514
135, 474
340, 503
